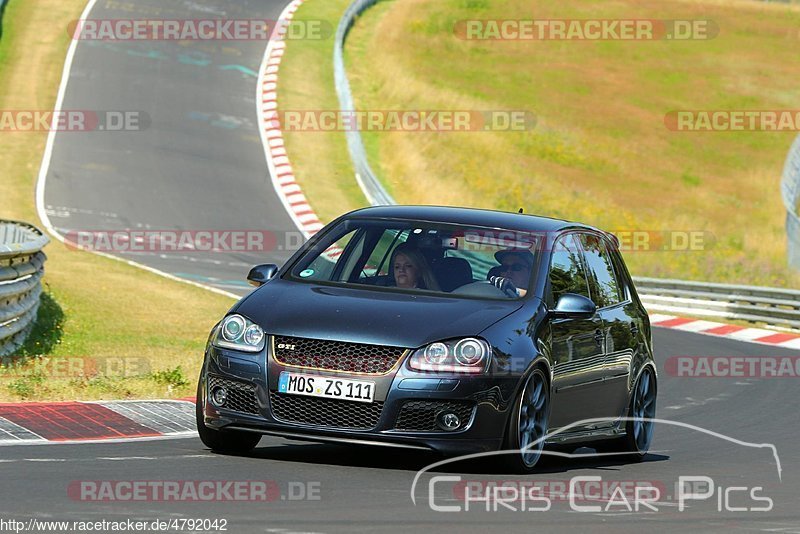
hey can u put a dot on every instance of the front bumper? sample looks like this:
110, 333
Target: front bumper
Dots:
402, 415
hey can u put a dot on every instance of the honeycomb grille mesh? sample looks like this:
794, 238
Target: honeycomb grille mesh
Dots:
241, 395
331, 413
420, 416
336, 355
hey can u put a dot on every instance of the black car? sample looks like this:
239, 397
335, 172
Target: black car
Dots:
446, 329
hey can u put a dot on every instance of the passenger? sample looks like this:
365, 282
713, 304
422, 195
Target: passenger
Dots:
515, 266
410, 269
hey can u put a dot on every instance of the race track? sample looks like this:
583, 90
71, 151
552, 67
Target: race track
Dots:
200, 165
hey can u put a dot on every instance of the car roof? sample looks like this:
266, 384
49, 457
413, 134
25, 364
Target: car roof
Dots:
470, 216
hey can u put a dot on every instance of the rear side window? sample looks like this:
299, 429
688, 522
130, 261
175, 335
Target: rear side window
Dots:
603, 282
567, 274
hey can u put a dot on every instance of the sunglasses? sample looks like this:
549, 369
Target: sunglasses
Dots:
515, 267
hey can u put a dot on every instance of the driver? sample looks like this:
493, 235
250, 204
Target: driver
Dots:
515, 267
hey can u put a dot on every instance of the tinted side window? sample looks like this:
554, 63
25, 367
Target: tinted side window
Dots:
602, 278
323, 266
378, 262
567, 274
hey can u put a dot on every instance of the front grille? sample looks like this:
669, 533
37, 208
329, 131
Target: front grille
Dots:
241, 395
332, 413
336, 355
420, 416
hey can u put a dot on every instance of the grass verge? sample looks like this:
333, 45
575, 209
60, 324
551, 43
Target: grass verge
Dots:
320, 160
105, 330
600, 152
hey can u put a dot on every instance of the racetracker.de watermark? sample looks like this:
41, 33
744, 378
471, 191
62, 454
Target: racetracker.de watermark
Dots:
402, 120
73, 367
198, 30
787, 120
173, 241
192, 490
73, 121
733, 366
253, 240
585, 29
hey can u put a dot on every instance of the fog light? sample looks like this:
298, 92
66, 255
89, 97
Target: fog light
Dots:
219, 395
448, 421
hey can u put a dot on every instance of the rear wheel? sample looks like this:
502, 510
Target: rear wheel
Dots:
640, 425
223, 441
528, 424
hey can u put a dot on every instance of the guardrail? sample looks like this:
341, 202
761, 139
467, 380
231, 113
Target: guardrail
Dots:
21, 271
373, 189
774, 307
790, 191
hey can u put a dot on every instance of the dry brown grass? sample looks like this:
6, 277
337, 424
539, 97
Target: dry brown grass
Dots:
600, 152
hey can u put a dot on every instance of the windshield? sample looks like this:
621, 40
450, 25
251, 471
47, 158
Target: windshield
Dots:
416, 256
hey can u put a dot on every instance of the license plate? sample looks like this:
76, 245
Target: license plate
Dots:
328, 387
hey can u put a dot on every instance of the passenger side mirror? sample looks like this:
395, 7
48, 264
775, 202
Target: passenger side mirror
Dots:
261, 274
572, 306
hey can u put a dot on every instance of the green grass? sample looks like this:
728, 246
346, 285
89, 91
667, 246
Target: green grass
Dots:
129, 315
306, 83
600, 152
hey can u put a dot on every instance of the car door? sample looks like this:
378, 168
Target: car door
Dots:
618, 314
576, 344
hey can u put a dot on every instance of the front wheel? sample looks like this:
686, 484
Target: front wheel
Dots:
528, 424
226, 442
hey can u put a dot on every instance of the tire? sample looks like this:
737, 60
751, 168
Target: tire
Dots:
639, 425
532, 413
222, 441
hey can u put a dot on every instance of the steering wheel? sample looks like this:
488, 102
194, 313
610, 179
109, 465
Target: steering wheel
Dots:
505, 285
482, 288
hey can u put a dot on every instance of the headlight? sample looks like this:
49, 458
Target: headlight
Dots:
469, 355
237, 333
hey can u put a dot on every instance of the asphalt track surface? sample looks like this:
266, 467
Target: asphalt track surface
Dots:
200, 165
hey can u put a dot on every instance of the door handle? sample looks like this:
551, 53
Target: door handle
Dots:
634, 329
598, 337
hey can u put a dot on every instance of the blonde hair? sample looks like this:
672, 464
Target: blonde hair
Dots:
418, 260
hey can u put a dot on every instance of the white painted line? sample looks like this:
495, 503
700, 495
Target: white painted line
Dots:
698, 326
296, 198
28, 442
659, 318
14, 432
791, 344
750, 334
163, 417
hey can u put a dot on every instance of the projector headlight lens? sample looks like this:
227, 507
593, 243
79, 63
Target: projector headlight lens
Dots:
468, 355
239, 333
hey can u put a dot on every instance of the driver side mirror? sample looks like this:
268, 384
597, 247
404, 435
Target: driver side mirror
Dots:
261, 274
572, 306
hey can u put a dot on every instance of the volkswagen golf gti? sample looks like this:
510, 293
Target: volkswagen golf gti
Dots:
446, 329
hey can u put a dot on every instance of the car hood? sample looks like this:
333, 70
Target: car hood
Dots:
368, 316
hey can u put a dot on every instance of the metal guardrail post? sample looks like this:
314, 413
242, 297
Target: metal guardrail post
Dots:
21, 271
